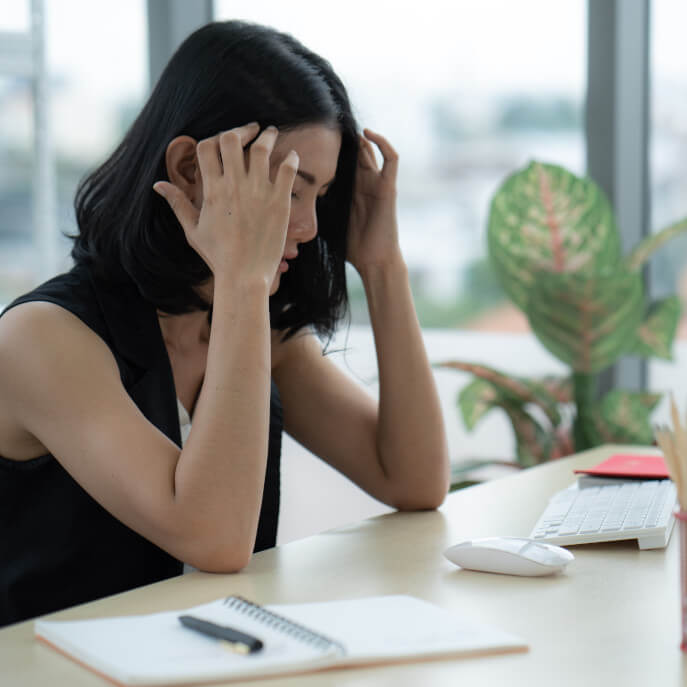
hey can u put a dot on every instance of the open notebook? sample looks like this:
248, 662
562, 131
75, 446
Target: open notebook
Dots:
298, 638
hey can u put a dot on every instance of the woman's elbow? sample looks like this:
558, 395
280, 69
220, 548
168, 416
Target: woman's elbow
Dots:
411, 503
222, 560
429, 498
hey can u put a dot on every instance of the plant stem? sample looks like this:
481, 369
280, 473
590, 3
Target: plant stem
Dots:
585, 395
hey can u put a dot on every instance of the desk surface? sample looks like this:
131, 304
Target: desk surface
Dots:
611, 619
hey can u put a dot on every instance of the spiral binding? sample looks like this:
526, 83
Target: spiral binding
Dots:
283, 625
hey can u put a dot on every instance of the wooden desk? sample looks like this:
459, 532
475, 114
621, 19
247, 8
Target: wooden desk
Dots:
611, 619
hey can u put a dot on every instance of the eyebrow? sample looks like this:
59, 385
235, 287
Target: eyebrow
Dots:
310, 179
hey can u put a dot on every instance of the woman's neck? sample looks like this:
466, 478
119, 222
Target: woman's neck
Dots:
184, 332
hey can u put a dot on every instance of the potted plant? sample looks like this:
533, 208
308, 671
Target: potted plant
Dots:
555, 247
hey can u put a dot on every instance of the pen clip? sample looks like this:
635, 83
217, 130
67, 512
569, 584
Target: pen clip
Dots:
235, 647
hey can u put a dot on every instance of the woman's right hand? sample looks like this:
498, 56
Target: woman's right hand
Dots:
240, 228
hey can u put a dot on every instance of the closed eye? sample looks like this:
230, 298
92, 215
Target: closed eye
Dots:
310, 180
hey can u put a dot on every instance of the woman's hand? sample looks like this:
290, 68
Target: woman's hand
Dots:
373, 230
240, 227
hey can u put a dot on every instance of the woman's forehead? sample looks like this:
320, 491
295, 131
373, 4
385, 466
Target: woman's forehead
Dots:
317, 146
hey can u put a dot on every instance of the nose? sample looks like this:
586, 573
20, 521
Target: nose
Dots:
303, 225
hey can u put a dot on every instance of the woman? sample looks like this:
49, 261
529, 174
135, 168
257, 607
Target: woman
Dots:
210, 250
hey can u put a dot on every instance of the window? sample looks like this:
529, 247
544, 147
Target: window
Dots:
668, 153
16, 131
467, 92
96, 70
668, 169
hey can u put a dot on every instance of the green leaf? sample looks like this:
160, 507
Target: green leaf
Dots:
545, 393
533, 442
643, 250
544, 219
656, 334
587, 320
561, 388
475, 400
624, 417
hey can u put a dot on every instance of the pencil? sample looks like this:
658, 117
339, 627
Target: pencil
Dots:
673, 443
665, 442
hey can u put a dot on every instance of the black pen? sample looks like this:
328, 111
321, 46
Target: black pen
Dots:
239, 642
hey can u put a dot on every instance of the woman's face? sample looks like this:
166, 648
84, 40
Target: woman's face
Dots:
318, 148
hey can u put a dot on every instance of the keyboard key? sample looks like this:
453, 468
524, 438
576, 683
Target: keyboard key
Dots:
591, 524
570, 526
635, 519
608, 513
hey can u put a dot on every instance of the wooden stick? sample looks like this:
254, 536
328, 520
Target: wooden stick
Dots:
680, 443
665, 442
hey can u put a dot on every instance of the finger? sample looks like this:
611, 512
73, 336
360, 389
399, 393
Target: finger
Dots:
390, 166
231, 145
209, 162
367, 158
287, 173
182, 207
260, 152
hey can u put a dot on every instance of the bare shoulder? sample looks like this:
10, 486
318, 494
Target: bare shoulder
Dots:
301, 346
44, 351
37, 329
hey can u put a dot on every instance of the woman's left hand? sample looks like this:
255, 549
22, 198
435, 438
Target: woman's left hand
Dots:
373, 229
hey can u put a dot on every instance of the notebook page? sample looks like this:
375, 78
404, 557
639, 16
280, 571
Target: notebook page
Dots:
387, 627
157, 649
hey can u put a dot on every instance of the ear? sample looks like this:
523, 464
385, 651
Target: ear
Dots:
182, 168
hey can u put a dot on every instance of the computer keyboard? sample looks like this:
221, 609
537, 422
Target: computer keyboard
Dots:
639, 510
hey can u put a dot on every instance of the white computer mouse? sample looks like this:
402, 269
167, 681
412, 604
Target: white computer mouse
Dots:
509, 556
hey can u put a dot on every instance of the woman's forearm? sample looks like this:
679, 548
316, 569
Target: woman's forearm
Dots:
221, 470
411, 438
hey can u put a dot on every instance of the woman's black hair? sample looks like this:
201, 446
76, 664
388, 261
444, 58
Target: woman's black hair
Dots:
223, 75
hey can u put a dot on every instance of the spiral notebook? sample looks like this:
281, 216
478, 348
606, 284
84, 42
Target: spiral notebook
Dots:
298, 638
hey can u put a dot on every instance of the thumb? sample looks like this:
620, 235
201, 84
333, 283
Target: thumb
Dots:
183, 209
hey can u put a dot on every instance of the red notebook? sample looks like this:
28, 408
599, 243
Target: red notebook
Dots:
630, 465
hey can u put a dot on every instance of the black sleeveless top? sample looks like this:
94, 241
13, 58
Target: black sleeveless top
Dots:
58, 546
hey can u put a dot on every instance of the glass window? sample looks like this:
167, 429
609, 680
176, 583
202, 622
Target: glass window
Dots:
15, 16
96, 65
668, 168
16, 134
467, 93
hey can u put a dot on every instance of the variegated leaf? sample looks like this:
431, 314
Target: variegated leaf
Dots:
544, 219
561, 388
624, 417
586, 321
475, 400
518, 389
656, 334
643, 250
533, 442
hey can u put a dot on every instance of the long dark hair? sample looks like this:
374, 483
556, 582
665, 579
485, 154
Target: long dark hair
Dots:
223, 75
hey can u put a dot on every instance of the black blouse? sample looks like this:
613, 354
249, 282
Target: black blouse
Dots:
58, 546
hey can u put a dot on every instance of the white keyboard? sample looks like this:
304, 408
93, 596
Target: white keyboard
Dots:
640, 510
